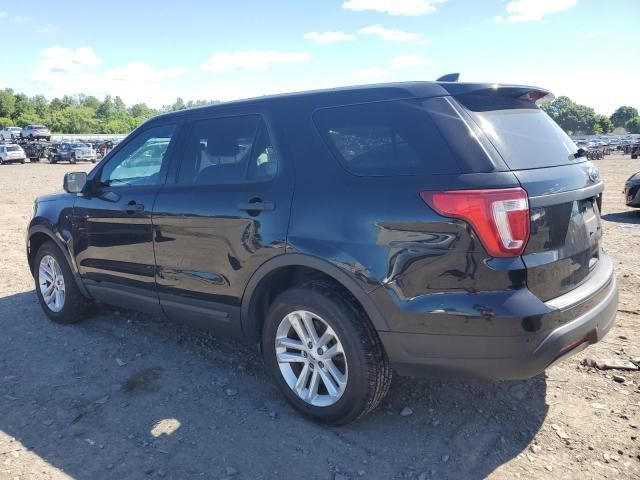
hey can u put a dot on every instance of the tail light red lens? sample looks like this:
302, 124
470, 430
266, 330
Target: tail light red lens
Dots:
500, 217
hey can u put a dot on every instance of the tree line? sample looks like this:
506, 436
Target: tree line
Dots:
574, 118
87, 114
80, 113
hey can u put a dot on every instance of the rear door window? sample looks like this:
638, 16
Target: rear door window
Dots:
525, 136
228, 150
386, 138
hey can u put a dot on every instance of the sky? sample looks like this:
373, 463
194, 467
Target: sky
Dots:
153, 52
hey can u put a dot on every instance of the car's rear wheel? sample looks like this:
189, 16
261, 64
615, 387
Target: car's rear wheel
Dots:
72, 160
325, 354
56, 289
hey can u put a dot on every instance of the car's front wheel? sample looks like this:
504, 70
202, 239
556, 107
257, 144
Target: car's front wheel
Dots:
325, 354
56, 289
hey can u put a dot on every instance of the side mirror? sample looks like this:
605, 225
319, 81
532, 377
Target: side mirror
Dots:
74, 182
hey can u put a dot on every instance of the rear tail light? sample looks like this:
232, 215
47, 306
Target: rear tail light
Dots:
500, 217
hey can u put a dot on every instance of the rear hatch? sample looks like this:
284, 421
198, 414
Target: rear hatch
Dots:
564, 188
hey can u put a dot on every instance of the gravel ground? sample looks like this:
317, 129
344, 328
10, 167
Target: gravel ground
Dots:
128, 396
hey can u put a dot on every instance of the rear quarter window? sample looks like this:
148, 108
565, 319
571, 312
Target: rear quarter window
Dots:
525, 136
386, 138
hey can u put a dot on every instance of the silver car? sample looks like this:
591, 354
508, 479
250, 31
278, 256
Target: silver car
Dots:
12, 153
36, 132
10, 133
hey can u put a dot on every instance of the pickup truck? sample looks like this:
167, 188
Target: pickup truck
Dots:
72, 152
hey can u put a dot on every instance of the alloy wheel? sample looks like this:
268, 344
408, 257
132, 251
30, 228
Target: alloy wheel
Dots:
51, 281
311, 358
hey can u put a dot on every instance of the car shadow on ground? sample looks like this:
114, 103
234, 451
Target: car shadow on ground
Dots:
123, 395
629, 216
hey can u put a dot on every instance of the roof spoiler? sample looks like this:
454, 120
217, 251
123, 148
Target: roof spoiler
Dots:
533, 94
449, 77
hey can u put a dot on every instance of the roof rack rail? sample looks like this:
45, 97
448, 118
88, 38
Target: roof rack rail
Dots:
449, 77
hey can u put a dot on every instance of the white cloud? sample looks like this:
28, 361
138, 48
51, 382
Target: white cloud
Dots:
61, 71
410, 61
256, 60
134, 71
393, 7
393, 35
59, 60
3, 14
328, 37
533, 10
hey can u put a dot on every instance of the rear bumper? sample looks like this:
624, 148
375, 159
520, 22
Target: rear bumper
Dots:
581, 322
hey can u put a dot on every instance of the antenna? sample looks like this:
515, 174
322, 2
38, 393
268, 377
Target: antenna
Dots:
449, 77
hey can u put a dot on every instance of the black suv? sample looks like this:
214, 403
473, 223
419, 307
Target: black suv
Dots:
422, 227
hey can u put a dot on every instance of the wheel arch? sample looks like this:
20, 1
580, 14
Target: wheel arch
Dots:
38, 235
257, 291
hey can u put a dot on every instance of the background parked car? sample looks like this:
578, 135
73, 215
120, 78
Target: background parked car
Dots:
72, 152
632, 191
11, 153
36, 151
36, 132
10, 133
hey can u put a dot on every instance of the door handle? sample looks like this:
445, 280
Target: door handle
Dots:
256, 206
133, 207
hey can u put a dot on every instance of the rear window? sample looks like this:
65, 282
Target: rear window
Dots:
525, 136
386, 138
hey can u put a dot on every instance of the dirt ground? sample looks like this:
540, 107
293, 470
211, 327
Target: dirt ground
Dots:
128, 396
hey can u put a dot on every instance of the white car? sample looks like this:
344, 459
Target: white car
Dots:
12, 153
10, 133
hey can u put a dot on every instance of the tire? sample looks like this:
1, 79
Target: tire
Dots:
72, 159
48, 139
31, 137
53, 159
22, 161
1, 161
74, 306
364, 366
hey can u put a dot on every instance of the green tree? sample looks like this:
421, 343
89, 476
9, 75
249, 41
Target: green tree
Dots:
141, 110
572, 117
91, 102
24, 107
80, 113
7, 102
622, 115
178, 105
604, 124
41, 106
105, 110
633, 125
56, 105
27, 118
